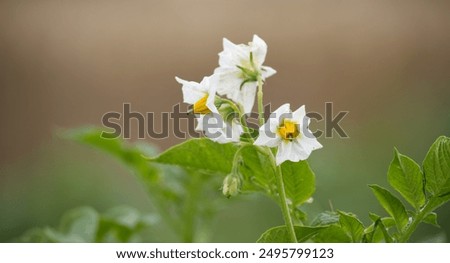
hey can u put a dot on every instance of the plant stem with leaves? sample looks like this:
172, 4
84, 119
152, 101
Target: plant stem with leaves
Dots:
278, 172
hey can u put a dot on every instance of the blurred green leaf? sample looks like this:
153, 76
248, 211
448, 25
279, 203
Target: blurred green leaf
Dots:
352, 226
82, 222
392, 205
405, 176
128, 217
437, 168
38, 235
280, 234
299, 181
86, 225
131, 155
180, 189
122, 224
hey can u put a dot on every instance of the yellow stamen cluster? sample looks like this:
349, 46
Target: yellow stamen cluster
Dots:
200, 106
288, 130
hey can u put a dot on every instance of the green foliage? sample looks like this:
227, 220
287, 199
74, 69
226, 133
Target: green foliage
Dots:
279, 234
177, 192
410, 181
328, 227
437, 168
184, 198
326, 218
201, 154
392, 205
131, 155
431, 219
183, 182
84, 224
299, 181
405, 176
379, 230
352, 226
81, 224
184, 185
255, 167
257, 172
215, 158
332, 234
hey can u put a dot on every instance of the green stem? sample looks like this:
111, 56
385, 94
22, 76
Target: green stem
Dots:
417, 219
237, 154
260, 102
283, 200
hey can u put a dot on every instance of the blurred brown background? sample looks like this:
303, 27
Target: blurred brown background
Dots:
66, 63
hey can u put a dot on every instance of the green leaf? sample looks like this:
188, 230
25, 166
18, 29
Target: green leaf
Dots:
378, 230
280, 234
352, 226
436, 167
405, 176
59, 237
326, 218
373, 235
257, 171
200, 154
122, 224
299, 215
131, 155
125, 216
299, 181
169, 187
431, 219
84, 224
37, 235
387, 221
80, 222
332, 234
204, 154
392, 205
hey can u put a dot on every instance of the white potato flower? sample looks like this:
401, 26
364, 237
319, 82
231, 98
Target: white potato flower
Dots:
240, 66
202, 97
289, 132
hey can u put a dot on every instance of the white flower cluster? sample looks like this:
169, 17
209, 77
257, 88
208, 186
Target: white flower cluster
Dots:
220, 101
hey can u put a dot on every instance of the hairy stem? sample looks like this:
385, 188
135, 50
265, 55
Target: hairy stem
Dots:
417, 219
237, 157
283, 200
260, 102
284, 206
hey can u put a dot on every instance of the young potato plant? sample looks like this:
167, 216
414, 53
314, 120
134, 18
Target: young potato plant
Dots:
184, 181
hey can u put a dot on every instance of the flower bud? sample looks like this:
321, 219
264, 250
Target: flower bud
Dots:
227, 112
231, 185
